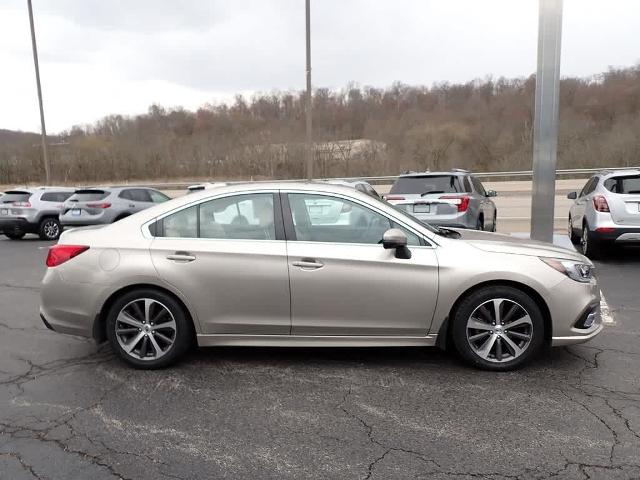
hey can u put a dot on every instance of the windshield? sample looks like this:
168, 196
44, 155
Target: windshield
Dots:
624, 185
427, 184
15, 196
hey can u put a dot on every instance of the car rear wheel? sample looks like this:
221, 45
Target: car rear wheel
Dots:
149, 329
480, 224
494, 225
498, 328
14, 234
49, 229
589, 245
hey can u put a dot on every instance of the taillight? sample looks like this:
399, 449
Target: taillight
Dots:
600, 203
58, 254
393, 197
22, 204
460, 201
98, 205
605, 229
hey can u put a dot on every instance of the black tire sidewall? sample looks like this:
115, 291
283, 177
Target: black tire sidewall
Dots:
466, 307
41, 232
184, 328
14, 234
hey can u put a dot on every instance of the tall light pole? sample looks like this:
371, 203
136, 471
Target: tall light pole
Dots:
545, 127
309, 143
45, 157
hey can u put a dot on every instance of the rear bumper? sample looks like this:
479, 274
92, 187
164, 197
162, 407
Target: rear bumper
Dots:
619, 235
13, 224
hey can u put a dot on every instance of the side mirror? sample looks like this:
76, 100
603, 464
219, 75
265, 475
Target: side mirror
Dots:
394, 238
492, 193
572, 195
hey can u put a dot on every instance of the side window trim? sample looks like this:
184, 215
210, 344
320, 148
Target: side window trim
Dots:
290, 231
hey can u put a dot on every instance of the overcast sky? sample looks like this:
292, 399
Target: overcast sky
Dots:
99, 57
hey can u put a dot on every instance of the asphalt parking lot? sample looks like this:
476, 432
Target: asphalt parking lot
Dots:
71, 410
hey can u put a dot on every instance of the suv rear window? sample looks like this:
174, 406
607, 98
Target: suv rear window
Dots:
55, 196
627, 184
89, 195
15, 196
427, 184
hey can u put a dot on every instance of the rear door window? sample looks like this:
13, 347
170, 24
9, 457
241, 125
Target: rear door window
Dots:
589, 187
419, 185
57, 197
629, 184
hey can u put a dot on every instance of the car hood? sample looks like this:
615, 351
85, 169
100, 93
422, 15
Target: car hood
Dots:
500, 243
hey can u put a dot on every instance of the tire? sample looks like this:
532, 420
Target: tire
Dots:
478, 309
14, 234
572, 233
480, 224
494, 226
167, 328
121, 217
49, 229
590, 246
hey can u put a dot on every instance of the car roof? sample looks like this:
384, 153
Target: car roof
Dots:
619, 173
455, 171
33, 190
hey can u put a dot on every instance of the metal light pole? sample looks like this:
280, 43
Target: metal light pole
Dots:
545, 130
309, 144
47, 173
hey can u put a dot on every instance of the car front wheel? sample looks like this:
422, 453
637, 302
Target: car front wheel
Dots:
148, 329
498, 328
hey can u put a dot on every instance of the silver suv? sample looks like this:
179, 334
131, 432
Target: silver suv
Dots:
97, 206
451, 199
32, 210
606, 211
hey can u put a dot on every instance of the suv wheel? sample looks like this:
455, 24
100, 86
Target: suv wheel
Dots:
148, 329
49, 229
498, 328
480, 224
589, 245
14, 234
572, 233
494, 225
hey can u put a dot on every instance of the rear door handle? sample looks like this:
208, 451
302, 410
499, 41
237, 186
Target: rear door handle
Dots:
308, 264
181, 257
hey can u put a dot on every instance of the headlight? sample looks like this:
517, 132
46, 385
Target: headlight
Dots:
580, 272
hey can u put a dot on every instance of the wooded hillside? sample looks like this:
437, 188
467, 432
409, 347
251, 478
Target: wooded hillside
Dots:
481, 125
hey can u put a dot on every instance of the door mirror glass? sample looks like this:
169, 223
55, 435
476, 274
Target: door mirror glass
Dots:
572, 196
394, 238
492, 193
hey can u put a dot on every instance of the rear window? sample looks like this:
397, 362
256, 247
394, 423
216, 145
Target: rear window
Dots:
15, 196
55, 196
428, 184
89, 195
627, 184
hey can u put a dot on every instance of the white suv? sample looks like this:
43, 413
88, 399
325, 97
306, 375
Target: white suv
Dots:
606, 211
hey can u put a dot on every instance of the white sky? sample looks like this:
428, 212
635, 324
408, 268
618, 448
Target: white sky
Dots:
99, 57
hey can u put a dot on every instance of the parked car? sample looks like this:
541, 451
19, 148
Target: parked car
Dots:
453, 199
606, 212
359, 185
249, 265
96, 206
32, 210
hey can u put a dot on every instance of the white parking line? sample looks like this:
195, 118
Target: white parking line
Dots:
605, 311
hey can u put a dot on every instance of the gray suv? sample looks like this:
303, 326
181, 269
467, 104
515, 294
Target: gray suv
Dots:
606, 211
32, 210
451, 199
97, 206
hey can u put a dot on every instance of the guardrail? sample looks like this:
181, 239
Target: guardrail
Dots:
381, 180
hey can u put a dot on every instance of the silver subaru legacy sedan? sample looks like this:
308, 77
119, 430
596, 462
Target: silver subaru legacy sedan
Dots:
269, 265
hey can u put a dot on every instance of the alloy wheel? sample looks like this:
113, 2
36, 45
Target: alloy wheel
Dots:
584, 240
51, 229
499, 330
145, 329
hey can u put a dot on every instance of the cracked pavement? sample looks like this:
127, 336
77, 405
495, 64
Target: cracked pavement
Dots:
70, 410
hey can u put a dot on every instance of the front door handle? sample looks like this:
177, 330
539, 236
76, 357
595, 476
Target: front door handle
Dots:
308, 264
184, 257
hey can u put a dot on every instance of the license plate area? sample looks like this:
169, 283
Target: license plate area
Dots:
421, 208
75, 212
